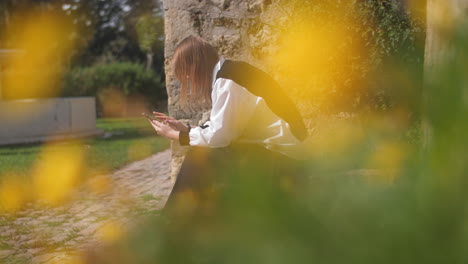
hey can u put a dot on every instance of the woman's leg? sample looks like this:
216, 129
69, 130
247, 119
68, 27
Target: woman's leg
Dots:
197, 178
206, 171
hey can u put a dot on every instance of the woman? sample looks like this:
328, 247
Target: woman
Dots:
252, 123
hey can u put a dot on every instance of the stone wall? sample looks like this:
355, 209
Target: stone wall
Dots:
233, 27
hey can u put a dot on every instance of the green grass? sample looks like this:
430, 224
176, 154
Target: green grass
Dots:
125, 140
149, 197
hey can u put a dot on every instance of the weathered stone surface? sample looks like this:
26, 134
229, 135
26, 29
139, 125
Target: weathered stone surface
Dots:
178, 156
257, 5
6, 253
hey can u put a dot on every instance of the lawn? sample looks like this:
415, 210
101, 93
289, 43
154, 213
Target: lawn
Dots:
124, 141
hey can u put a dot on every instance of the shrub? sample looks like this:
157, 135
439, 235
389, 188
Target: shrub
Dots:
127, 78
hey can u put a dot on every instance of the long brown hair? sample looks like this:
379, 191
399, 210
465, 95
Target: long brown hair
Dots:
193, 62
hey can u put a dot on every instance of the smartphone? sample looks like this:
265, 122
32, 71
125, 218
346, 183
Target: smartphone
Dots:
150, 118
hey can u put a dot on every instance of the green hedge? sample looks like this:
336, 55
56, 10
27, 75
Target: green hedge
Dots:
129, 78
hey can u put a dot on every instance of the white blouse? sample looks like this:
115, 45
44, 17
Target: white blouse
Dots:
238, 116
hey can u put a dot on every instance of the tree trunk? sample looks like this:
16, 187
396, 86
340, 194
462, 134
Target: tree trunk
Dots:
6, 17
442, 16
149, 60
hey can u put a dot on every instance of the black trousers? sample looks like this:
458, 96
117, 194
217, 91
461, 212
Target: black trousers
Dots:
206, 172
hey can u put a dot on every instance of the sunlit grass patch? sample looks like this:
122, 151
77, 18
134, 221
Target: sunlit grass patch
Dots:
49, 171
105, 153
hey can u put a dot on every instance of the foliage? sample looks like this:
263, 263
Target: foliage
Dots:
128, 78
112, 27
150, 30
331, 53
105, 30
150, 33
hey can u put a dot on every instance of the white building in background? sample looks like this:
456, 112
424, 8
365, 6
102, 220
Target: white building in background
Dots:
38, 120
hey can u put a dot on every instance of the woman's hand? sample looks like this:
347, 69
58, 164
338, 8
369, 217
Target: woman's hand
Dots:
175, 124
165, 130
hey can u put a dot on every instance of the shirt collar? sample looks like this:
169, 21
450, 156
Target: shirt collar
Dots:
217, 68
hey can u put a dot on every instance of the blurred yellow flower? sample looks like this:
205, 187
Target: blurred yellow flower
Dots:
57, 171
334, 138
312, 53
13, 193
111, 232
100, 184
388, 158
46, 45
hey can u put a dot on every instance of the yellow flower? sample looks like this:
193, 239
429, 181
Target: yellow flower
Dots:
13, 193
46, 44
57, 171
111, 232
388, 158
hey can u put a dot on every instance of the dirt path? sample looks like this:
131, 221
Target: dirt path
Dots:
98, 211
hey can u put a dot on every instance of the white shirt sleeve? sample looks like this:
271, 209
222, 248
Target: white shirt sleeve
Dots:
232, 108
